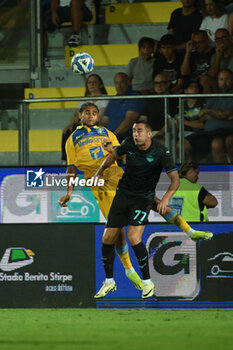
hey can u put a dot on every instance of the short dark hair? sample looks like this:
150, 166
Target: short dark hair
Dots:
184, 168
226, 70
202, 32
220, 8
167, 39
145, 40
145, 122
102, 89
192, 81
87, 104
223, 30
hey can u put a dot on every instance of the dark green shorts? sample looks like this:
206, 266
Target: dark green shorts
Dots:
128, 210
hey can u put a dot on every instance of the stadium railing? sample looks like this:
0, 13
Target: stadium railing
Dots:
170, 139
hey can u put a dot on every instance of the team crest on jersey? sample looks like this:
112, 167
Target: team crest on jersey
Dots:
101, 131
150, 159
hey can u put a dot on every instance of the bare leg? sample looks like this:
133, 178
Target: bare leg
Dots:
218, 150
77, 15
229, 147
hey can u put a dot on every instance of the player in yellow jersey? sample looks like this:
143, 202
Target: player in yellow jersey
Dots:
84, 151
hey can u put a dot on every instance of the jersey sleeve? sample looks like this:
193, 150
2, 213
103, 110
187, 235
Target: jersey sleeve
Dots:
172, 20
202, 194
122, 149
70, 151
167, 161
113, 138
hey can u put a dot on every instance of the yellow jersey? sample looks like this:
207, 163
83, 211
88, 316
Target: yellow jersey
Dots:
84, 148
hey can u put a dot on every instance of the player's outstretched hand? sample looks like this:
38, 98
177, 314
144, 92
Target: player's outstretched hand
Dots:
107, 145
162, 206
63, 200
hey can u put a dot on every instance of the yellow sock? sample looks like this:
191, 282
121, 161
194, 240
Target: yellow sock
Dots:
174, 218
123, 254
181, 223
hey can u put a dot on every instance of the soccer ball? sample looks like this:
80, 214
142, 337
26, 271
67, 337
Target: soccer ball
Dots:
82, 63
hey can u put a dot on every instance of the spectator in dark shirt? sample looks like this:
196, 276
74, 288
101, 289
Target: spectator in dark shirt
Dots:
224, 53
192, 124
218, 119
153, 111
169, 63
67, 131
183, 22
197, 58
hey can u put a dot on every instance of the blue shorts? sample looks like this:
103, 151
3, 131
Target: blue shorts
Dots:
64, 13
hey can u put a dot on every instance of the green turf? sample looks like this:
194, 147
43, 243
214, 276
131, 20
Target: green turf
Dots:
116, 329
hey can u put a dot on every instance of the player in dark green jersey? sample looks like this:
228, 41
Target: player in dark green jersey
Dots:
145, 160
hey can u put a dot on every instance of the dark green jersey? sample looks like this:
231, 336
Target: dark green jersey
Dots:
143, 168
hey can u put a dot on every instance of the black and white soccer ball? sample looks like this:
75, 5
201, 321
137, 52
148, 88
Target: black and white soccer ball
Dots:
82, 63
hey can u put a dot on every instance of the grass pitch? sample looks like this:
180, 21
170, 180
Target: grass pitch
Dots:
116, 329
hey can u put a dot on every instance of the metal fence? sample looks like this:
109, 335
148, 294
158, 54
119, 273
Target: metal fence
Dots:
170, 131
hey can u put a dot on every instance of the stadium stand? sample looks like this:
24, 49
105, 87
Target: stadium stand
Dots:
112, 42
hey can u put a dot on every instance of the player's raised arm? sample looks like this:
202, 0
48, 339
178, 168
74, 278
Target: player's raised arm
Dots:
111, 158
71, 174
173, 187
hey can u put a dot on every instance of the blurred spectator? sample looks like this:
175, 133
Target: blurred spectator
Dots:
230, 24
223, 58
197, 58
218, 119
153, 110
4, 119
95, 88
13, 17
120, 114
224, 53
75, 11
67, 131
169, 63
183, 22
228, 6
140, 69
191, 200
215, 17
192, 123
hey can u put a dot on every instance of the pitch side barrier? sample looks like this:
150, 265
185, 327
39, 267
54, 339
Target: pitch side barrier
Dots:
60, 266
170, 140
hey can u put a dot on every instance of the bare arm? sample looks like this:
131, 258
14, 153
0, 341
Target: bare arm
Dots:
71, 174
111, 158
126, 124
210, 201
170, 31
230, 24
214, 68
104, 120
185, 67
181, 46
173, 187
177, 87
198, 124
101, 114
208, 114
55, 17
